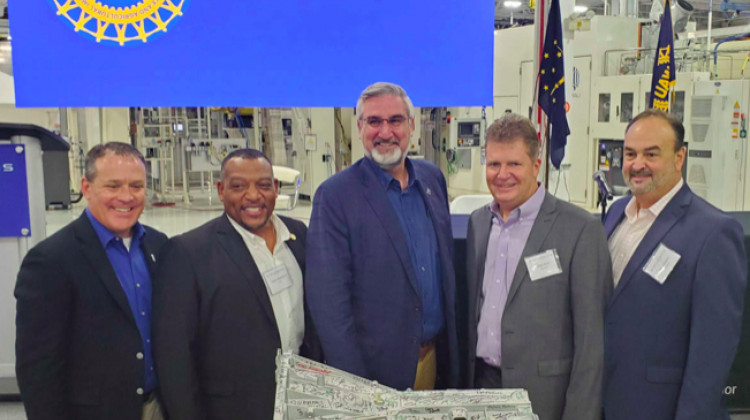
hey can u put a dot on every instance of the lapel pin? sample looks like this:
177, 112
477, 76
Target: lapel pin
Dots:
153, 258
428, 191
292, 236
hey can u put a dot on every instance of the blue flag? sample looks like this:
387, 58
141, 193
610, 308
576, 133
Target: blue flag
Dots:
277, 53
552, 85
664, 70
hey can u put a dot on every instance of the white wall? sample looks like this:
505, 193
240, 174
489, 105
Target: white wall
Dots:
43, 117
7, 91
115, 125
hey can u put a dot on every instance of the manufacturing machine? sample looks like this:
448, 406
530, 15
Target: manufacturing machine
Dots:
718, 153
23, 172
594, 49
464, 155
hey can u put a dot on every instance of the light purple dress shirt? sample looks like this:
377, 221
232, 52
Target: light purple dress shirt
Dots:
504, 249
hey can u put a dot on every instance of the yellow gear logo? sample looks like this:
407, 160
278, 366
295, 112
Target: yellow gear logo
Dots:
120, 25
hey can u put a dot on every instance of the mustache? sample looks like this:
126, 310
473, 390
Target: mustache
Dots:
379, 141
642, 172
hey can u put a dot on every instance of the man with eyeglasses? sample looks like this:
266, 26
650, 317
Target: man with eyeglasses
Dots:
380, 282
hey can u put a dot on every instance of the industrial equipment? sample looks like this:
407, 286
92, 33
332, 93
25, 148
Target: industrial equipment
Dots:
465, 150
54, 161
22, 224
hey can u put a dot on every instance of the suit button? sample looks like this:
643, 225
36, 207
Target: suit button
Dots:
139, 391
416, 309
139, 356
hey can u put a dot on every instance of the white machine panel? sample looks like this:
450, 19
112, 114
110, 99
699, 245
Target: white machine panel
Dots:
615, 101
13, 250
578, 154
717, 145
466, 172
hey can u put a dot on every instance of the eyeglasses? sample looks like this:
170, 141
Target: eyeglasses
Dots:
393, 122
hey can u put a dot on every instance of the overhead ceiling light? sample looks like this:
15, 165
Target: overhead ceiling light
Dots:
580, 9
512, 4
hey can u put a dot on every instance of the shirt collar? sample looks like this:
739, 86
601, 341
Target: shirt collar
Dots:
528, 210
282, 232
632, 214
105, 235
386, 179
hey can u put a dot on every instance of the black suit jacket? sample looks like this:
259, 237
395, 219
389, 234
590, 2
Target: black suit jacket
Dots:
76, 339
215, 335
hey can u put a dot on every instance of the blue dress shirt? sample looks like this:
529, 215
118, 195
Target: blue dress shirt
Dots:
416, 224
132, 272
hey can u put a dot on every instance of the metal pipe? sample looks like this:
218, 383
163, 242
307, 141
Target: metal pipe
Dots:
716, 48
640, 49
631, 8
256, 127
708, 31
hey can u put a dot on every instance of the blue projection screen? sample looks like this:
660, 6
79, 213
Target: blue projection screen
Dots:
277, 53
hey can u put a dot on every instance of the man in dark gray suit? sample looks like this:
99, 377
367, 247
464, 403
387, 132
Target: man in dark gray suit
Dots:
539, 274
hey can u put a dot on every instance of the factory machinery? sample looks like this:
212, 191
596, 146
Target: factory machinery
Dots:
184, 147
608, 81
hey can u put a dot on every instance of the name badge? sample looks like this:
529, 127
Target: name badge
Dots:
543, 265
661, 263
277, 279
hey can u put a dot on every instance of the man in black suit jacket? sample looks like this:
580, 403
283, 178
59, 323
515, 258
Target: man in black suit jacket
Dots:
228, 295
83, 344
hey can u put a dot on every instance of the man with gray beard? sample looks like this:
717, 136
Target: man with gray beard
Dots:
380, 281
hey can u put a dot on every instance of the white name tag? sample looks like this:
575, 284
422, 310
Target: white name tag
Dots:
661, 263
543, 265
277, 279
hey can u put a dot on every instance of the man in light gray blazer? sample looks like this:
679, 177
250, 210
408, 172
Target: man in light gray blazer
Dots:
539, 274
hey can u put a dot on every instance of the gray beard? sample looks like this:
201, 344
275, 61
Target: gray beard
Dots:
388, 161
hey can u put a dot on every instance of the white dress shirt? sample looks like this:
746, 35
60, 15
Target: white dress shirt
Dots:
630, 232
288, 304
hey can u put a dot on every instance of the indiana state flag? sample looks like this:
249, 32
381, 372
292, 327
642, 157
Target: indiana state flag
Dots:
664, 70
552, 85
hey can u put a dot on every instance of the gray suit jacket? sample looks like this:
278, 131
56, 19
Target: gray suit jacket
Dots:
552, 328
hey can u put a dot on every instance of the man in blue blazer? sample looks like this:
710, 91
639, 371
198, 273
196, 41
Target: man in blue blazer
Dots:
673, 323
380, 281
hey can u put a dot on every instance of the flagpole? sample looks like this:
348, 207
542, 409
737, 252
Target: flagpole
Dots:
546, 155
545, 133
540, 14
673, 65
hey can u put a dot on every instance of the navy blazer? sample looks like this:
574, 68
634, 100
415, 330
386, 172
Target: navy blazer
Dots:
77, 343
669, 347
215, 333
360, 284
